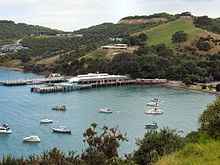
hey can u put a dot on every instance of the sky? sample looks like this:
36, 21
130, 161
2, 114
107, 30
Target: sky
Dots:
71, 15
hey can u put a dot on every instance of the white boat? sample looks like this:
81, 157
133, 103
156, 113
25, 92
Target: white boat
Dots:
153, 104
154, 111
46, 121
4, 129
32, 139
61, 129
105, 110
155, 100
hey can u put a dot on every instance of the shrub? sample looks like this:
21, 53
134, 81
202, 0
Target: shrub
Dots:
179, 37
210, 119
102, 147
218, 87
203, 45
156, 144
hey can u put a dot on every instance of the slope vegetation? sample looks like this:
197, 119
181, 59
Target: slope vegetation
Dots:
163, 33
194, 154
10, 30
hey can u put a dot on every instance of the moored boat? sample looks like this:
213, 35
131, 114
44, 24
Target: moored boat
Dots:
151, 126
105, 110
154, 111
59, 108
155, 99
32, 139
61, 129
153, 104
46, 121
4, 129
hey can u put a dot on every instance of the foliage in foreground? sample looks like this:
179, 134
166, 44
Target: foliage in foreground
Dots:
156, 144
202, 147
103, 149
203, 152
210, 119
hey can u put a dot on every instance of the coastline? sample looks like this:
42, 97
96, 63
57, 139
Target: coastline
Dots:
12, 68
180, 85
169, 84
19, 69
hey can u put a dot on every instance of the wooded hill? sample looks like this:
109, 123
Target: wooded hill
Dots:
179, 47
10, 31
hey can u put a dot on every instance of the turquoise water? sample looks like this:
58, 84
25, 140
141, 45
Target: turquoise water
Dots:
22, 110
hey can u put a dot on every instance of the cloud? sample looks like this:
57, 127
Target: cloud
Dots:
74, 14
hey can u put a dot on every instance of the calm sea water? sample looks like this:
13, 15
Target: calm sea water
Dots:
22, 110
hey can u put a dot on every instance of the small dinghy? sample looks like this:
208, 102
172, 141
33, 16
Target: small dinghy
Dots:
154, 111
61, 129
4, 129
105, 110
59, 108
46, 121
32, 139
151, 126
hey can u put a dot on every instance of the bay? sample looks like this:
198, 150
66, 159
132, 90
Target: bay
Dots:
22, 110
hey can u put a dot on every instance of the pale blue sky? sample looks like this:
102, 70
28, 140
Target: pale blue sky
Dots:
74, 14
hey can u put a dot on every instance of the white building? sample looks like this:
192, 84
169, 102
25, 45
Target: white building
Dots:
115, 46
96, 77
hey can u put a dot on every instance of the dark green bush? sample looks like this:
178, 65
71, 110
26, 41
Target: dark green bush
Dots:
210, 119
156, 144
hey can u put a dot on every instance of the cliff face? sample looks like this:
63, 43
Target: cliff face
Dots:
138, 21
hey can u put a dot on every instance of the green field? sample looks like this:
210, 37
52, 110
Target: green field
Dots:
163, 33
207, 153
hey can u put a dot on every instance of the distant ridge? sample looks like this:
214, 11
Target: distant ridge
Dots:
9, 30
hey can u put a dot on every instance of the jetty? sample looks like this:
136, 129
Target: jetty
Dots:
68, 87
59, 88
33, 81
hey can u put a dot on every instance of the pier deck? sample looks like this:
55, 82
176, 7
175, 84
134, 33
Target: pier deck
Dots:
32, 81
70, 87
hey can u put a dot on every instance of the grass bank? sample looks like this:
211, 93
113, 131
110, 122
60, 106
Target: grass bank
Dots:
202, 153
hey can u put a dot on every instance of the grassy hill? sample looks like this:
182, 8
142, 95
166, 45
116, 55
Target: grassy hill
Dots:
163, 33
202, 153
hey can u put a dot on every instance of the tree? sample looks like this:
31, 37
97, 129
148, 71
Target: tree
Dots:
218, 87
156, 144
179, 37
203, 45
210, 119
102, 146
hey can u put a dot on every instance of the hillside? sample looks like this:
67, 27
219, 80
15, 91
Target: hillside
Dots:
163, 33
147, 19
202, 153
10, 31
80, 52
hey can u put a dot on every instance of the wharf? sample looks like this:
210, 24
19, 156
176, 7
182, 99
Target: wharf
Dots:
66, 87
32, 81
59, 88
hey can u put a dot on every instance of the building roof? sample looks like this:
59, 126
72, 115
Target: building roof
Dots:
96, 77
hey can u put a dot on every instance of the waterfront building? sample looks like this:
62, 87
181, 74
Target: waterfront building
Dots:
97, 78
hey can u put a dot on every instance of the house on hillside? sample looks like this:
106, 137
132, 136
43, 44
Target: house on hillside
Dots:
12, 48
115, 46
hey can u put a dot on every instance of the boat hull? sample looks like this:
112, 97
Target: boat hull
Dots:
5, 131
46, 121
31, 140
105, 112
153, 113
151, 126
61, 131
